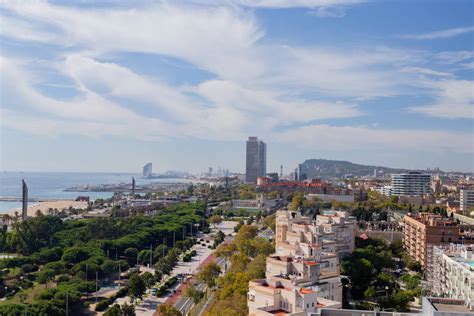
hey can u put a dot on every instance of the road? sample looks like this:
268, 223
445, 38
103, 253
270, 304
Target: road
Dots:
184, 304
150, 303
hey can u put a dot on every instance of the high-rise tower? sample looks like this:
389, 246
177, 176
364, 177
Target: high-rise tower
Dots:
256, 159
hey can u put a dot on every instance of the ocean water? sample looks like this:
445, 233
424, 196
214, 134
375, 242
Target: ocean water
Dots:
51, 185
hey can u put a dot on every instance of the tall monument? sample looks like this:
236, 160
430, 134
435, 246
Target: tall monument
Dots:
24, 196
133, 187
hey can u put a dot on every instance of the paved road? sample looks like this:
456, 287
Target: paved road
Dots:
184, 304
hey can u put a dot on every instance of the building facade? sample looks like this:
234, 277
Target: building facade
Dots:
303, 275
411, 184
450, 273
148, 170
466, 199
256, 159
423, 231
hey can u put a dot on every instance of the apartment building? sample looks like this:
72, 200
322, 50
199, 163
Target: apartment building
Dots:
304, 273
267, 297
411, 184
422, 231
466, 200
450, 272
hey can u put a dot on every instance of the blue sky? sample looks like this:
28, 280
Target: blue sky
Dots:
110, 85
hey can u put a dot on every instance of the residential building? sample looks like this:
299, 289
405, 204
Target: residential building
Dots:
147, 170
466, 200
431, 306
411, 184
422, 231
304, 273
450, 272
256, 159
313, 186
267, 297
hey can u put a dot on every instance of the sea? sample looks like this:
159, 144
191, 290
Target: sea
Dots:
51, 185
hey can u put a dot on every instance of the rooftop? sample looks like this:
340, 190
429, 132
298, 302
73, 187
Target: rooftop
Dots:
449, 305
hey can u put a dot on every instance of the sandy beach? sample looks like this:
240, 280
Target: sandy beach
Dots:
45, 206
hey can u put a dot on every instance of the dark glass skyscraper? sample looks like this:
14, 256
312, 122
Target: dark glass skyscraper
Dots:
256, 162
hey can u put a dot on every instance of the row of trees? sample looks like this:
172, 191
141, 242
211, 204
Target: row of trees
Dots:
72, 254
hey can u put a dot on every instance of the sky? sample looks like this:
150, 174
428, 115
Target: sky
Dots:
111, 85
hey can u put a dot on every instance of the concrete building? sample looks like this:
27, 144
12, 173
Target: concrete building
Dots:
466, 200
268, 297
423, 231
411, 184
450, 272
148, 170
256, 159
431, 306
303, 275
386, 190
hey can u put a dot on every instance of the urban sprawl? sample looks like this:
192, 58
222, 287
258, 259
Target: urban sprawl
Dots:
259, 243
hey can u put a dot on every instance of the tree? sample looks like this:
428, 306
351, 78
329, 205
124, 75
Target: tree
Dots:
194, 294
215, 220
209, 274
148, 278
128, 310
168, 310
370, 292
297, 202
136, 287
114, 311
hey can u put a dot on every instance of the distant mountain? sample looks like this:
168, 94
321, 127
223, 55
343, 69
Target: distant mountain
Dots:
324, 169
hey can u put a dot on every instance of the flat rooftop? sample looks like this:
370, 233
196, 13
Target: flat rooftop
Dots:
451, 308
278, 312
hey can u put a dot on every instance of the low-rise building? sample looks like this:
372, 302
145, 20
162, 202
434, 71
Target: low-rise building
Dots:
274, 296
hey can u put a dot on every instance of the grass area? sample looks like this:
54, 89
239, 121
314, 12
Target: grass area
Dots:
31, 293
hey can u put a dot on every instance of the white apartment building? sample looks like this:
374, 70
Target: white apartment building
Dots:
411, 184
269, 297
304, 273
451, 272
466, 199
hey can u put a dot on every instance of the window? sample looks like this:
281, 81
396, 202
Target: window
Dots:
312, 304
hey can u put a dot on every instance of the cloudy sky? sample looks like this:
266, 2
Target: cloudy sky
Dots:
111, 85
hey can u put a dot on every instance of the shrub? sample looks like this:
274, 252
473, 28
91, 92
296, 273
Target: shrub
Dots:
101, 306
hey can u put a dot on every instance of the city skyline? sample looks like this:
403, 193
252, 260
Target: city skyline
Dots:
378, 83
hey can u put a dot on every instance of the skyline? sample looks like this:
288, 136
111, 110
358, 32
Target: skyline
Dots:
107, 87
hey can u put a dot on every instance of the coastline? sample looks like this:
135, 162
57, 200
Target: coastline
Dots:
46, 205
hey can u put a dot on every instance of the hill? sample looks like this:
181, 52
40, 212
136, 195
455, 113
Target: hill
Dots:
323, 168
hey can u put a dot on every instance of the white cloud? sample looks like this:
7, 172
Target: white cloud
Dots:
216, 39
448, 33
453, 57
329, 12
280, 4
257, 87
426, 71
454, 99
366, 138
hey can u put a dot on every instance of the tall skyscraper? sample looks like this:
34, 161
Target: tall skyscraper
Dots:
24, 196
147, 170
256, 162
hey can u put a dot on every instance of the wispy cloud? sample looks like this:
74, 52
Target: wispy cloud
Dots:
256, 87
448, 33
454, 100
